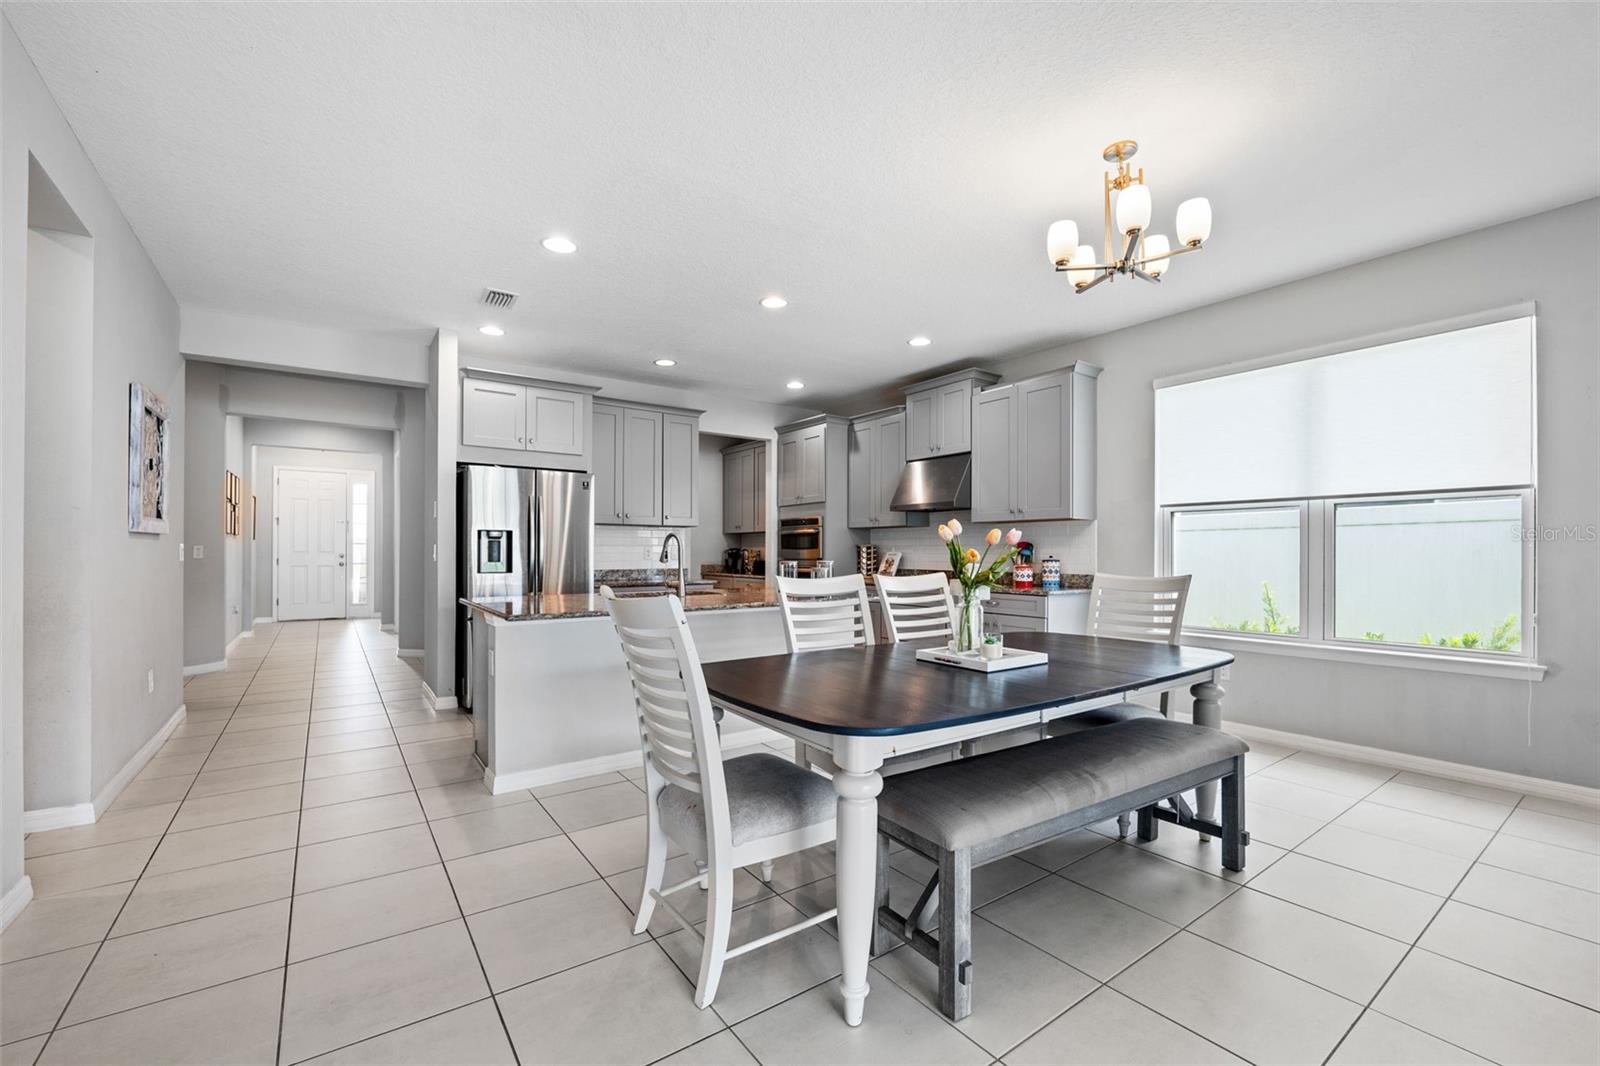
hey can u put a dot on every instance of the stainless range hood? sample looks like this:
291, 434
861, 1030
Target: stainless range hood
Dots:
943, 483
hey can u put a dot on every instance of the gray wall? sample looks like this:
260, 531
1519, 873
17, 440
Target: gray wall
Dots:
205, 579
707, 539
1549, 729
136, 623
234, 459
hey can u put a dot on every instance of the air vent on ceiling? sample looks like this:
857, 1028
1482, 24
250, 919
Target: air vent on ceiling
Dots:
499, 298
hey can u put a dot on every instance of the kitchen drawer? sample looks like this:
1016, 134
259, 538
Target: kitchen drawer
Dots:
1013, 606
1017, 623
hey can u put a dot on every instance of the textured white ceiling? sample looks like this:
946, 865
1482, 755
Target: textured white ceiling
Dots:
891, 169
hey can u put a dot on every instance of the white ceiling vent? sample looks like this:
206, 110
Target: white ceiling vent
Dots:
499, 298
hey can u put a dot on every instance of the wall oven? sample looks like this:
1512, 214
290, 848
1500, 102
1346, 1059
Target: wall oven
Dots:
800, 540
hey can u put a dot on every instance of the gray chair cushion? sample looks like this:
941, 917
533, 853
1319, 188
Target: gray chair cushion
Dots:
973, 801
766, 796
1117, 712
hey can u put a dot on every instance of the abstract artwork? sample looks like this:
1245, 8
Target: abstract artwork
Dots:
148, 460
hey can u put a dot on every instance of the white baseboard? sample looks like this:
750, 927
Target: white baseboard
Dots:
130, 769
388, 627
408, 653
438, 703
265, 619
1422, 764
622, 760
206, 668
243, 634
16, 898
48, 818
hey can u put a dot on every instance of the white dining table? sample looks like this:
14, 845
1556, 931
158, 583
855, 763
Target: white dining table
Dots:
865, 705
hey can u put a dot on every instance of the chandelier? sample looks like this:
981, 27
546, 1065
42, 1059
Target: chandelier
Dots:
1145, 255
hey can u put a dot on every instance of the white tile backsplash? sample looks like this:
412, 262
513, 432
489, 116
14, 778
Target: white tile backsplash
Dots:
636, 547
1071, 542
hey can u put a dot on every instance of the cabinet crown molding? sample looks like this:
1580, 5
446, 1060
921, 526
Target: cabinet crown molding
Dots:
978, 377
814, 420
514, 378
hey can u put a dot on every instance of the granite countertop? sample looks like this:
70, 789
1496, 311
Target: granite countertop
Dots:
711, 572
586, 605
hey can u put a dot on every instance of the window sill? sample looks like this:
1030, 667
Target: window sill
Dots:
1479, 665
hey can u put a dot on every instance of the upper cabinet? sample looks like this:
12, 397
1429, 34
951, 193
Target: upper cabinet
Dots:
645, 466
939, 413
877, 459
744, 489
806, 452
1033, 448
526, 416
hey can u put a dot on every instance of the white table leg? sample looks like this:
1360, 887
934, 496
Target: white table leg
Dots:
1207, 712
857, 783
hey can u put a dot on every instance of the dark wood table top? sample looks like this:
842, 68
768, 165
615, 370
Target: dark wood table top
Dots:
882, 690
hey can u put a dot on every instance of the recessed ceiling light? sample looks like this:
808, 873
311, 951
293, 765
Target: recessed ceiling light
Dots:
666, 362
772, 303
919, 342
491, 331
559, 245
796, 385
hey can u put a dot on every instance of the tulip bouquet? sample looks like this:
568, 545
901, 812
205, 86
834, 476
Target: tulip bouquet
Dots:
977, 575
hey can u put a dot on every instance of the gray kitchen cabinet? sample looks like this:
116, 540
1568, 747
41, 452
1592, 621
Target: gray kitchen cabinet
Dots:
556, 420
515, 416
877, 459
641, 467
607, 465
1033, 451
744, 489
680, 470
1066, 611
939, 413
646, 466
803, 459
494, 414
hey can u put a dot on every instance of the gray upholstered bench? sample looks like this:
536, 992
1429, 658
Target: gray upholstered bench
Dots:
967, 813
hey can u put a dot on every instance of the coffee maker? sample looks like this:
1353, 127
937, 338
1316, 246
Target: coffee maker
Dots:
733, 561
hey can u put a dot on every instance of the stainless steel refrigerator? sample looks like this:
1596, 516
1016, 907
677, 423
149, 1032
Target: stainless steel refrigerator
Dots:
523, 532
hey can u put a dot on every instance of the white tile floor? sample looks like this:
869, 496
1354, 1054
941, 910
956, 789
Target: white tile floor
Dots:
311, 870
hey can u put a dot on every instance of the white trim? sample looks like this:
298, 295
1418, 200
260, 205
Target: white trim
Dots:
388, 627
108, 795
622, 760
264, 620
17, 897
205, 668
243, 634
1474, 775
438, 703
48, 818
409, 653
1524, 309
1510, 668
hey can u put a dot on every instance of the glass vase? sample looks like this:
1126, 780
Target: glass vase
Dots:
969, 633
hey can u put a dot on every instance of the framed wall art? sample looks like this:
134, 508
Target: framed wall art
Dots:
149, 463
232, 504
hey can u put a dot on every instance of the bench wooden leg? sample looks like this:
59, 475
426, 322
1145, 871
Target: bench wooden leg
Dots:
955, 934
1233, 817
1148, 825
883, 941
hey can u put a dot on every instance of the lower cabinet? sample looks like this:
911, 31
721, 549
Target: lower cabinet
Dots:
1061, 612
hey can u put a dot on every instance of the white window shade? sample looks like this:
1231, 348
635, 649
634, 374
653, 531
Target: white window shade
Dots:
1450, 410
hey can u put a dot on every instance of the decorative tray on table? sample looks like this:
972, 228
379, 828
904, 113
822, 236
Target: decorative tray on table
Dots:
1010, 659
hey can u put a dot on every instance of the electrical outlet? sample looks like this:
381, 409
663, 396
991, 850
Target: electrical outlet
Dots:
436, 553
180, 551
149, 682
199, 551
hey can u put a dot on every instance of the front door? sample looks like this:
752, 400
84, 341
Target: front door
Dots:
310, 528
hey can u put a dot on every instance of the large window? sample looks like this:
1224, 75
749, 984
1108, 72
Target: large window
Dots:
1380, 497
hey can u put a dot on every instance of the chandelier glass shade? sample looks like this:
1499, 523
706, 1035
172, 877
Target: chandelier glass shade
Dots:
1127, 222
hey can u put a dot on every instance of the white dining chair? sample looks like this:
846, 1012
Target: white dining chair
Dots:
821, 613
917, 606
745, 811
1131, 608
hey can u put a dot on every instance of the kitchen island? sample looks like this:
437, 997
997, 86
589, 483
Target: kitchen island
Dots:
551, 699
